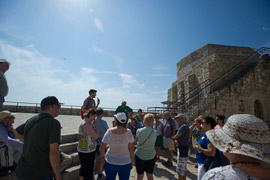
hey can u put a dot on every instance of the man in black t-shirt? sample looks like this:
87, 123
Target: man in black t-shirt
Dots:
41, 134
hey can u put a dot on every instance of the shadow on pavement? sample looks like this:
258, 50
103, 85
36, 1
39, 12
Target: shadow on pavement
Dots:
164, 173
192, 176
192, 159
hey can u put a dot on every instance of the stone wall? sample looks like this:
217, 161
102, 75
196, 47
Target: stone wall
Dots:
241, 96
194, 59
245, 89
36, 109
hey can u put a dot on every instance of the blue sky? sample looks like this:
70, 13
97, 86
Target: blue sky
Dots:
126, 49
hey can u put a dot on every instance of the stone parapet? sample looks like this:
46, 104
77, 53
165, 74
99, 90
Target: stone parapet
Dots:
36, 109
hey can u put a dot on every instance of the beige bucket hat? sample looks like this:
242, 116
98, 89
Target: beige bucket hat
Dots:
243, 134
4, 114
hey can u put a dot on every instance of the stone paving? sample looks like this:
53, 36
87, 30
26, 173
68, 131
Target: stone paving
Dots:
70, 124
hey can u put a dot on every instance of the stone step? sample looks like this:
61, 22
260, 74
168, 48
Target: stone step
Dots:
69, 147
75, 157
72, 173
68, 138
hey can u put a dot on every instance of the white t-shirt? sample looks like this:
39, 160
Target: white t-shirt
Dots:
226, 173
118, 152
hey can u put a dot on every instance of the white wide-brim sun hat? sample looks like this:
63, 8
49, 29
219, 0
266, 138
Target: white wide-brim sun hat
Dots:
243, 134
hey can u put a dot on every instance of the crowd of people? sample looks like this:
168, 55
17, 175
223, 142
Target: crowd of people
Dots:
238, 148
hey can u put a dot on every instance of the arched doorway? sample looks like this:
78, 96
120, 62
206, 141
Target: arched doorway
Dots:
258, 109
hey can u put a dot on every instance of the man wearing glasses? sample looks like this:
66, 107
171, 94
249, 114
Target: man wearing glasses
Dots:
124, 108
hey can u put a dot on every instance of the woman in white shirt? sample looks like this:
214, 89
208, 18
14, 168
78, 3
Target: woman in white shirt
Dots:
120, 154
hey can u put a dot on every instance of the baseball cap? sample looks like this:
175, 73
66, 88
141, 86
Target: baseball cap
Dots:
180, 115
121, 117
3, 60
50, 100
4, 114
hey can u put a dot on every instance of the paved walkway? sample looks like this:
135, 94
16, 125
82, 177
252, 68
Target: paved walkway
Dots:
70, 125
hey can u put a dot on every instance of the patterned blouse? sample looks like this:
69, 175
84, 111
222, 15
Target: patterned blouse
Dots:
226, 173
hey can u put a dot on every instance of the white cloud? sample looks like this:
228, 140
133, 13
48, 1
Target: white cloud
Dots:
33, 75
31, 46
97, 49
98, 24
129, 81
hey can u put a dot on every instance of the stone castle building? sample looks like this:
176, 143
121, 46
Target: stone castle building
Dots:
224, 80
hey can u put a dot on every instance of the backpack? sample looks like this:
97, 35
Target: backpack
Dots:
82, 116
216, 161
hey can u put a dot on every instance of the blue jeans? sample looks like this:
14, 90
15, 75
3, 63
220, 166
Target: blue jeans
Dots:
122, 170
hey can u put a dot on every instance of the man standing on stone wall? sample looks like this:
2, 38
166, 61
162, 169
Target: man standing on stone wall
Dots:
4, 66
89, 102
41, 133
168, 141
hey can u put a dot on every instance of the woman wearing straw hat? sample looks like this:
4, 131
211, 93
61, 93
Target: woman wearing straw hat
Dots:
245, 141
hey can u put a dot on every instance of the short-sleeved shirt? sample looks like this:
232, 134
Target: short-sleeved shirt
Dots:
118, 152
147, 150
133, 128
139, 120
121, 109
39, 132
183, 140
7, 137
89, 103
102, 127
168, 127
226, 173
203, 142
158, 128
